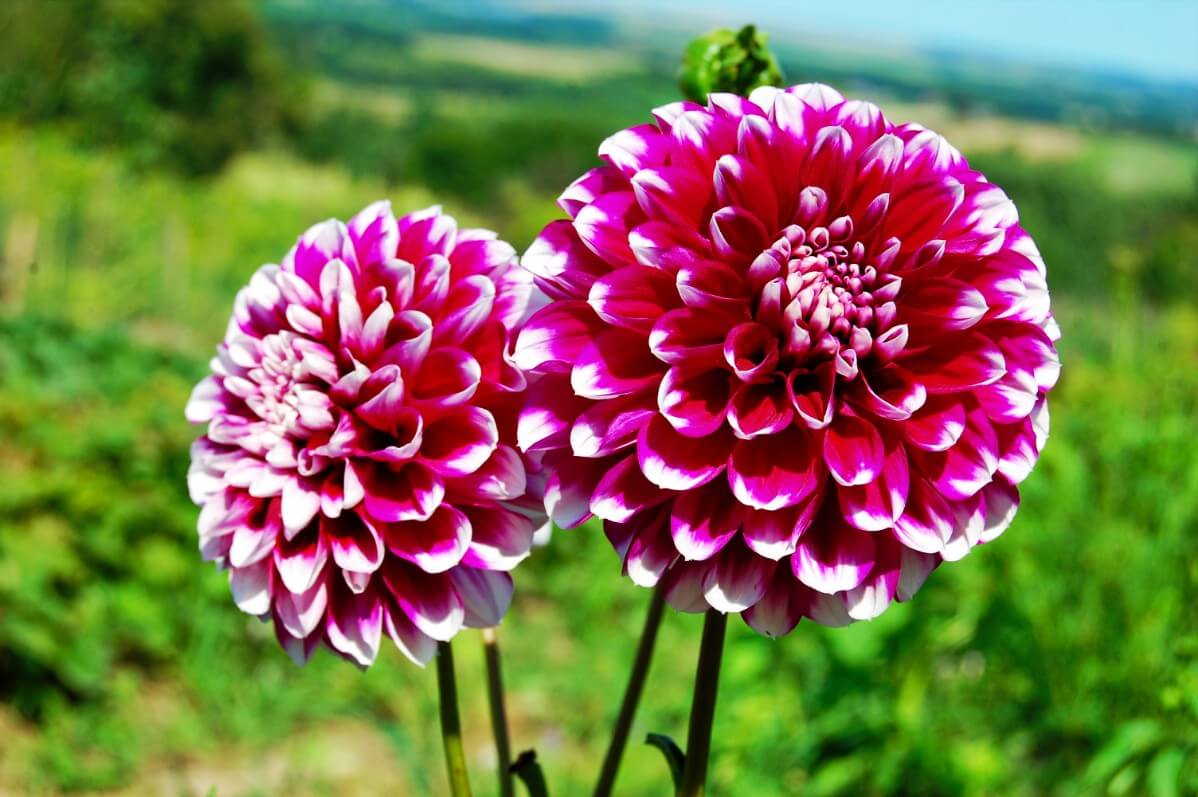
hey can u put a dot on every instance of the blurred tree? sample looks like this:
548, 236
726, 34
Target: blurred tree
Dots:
174, 82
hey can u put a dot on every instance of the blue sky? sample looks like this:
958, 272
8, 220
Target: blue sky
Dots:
1152, 38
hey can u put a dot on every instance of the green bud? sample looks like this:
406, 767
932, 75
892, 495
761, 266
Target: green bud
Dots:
724, 60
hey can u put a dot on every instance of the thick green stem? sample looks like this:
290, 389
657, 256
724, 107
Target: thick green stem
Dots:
632, 696
503, 744
707, 685
451, 723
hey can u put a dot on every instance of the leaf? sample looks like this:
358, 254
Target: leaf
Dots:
528, 770
673, 753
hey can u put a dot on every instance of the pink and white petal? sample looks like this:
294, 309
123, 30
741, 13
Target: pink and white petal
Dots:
694, 399
683, 587
617, 362
410, 492
999, 501
962, 362
760, 409
775, 471
417, 646
434, 545
674, 461
556, 335
500, 538
356, 545
568, 490
780, 608
853, 449
633, 297
878, 504
501, 478
447, 377
429, 600
937, 426
251, 588
915, 567
775, 535
927, 521
810, 393
485, 595
355, 624
650, 550
460, 441
873, 596
300, 503
624, 491
606, 427
736, 578
834, 557
301, 613
301, 560
702, 521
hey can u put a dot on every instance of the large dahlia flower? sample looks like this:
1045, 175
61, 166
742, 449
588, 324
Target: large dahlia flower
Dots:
358, 473
798, 355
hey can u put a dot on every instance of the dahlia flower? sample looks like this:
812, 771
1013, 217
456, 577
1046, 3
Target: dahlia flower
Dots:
798, 356
358, 473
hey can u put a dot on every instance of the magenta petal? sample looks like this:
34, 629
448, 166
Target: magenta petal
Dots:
459, 442
411, 492
466, 308
736, 579
966, 467
673, 461
964, 361
650, 550
774, 534
616, 363
774, 471
603, 226
430, 601
703, 520
301, 613
853, 450
556, 334
810, 393
355, 544
417, 646
501, 478
694, 400
447, 377
606, 427
549, 409
485, 595
623, 491
937, 426
780, 608
636, 148
434, 545
588, 188
688, 336
300, 560
873, 595
683, 587
927, 521
300, 503
633, 297
500, 538
751, 351
569, 487
834, 559
673, 195
914, 570
355, 625
760, 409
876, 505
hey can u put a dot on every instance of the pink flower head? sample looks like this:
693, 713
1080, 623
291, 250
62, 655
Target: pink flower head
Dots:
798, 355
358, 473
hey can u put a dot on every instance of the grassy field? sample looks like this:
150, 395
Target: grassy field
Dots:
1062, 660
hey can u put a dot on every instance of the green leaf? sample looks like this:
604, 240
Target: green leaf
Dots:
528, 770
673, 753
728, 61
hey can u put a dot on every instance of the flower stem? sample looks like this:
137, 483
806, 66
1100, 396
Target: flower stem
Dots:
632, 696
451, 723
503, 744
707, 684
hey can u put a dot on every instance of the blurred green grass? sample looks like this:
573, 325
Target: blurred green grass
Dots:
1062, 660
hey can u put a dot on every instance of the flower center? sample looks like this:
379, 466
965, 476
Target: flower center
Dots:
819, 290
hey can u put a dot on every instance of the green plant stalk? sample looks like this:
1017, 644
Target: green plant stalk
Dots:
503, 744
707, 684
632, 695
451, 723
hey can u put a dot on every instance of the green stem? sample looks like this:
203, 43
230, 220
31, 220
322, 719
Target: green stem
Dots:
707, 684
632, 696
503, 744
451, 723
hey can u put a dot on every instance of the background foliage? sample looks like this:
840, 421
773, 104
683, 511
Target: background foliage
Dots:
1061, 661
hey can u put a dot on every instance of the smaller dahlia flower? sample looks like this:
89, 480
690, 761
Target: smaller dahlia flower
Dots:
799, 355
358, 473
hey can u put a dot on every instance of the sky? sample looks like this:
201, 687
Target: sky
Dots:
1148, 38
